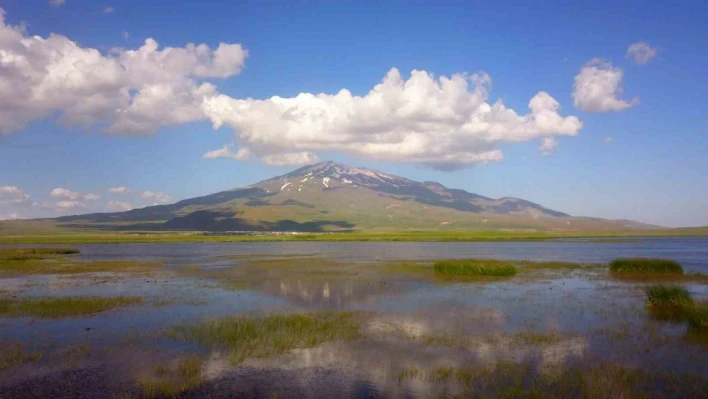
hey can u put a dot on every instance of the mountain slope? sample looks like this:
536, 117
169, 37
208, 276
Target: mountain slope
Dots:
330, 196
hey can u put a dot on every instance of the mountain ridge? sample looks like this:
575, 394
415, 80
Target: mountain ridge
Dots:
330, 196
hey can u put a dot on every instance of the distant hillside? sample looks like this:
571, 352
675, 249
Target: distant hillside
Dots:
329, 196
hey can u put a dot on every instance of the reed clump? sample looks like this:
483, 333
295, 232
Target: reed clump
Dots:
669, 302
645, 266
247, 337
474, 268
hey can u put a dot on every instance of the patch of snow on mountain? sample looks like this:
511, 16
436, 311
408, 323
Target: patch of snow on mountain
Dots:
284, 185
325, 181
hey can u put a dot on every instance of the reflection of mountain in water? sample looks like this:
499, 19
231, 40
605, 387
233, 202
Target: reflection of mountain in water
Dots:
335, 294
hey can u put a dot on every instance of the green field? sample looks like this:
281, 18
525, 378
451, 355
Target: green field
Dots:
84, 237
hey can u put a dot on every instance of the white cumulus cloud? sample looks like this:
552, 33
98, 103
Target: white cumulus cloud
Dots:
242, 154
72, 195
156, 196
444, 122
129, 91
290, 159
70, 204
548, 145
13, 195
119, 206
64, 193
598, 88
57, 3
119, 190
641, 52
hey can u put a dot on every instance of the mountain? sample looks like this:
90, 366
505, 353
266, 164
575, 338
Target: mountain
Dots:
329, 196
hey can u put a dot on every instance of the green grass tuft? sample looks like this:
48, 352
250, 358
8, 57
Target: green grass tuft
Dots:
645, 265
173, 383
473, 268
698, 319
668, 302
62, 306
267, 336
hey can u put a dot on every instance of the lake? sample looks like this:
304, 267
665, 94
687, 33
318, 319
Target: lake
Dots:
414, 334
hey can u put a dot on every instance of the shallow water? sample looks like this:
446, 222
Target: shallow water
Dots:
598, 319
691, 252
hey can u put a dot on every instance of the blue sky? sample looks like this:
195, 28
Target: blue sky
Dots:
644, 161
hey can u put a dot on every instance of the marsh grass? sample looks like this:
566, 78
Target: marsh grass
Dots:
68, 267
17, 254
669, 302
407, 373
246, 337
473, 268
535, 338
173, 382
62, 306
698, 319
645, 266
13, 355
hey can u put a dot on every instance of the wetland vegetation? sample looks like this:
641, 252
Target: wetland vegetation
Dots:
474, 267
53, 260
63, 306
669, 302
264, 323
244, 337
645, 265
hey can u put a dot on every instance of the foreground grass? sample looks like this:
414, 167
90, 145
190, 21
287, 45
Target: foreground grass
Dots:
676, 303
473, 268
645, 265
698, 319
245, 337
62, 307
600, 381
12, 355
172, 382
